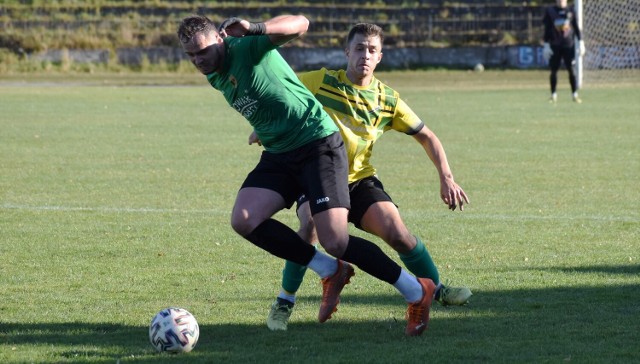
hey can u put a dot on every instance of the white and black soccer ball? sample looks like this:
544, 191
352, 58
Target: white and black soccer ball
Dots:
174, 330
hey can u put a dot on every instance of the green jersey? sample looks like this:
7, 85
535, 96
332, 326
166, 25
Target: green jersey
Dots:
257, 82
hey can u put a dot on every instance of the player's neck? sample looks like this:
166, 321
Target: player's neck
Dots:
358, 80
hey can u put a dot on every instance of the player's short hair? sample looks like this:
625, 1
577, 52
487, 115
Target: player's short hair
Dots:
194, 24
366, 29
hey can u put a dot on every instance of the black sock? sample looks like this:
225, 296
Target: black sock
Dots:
285, 302
279, 240
371, 259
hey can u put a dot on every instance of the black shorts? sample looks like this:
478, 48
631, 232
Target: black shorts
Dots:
318, 169
363, 194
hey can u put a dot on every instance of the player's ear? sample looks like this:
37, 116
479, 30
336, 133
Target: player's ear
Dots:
379, 58
346, 52
216, 36
219, 37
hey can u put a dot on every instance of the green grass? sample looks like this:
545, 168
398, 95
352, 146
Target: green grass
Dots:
115, 201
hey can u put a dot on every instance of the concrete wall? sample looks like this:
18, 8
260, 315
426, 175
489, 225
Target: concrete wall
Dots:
404, 58
312, 58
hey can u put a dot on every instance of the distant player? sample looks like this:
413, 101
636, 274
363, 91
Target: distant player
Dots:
560, 31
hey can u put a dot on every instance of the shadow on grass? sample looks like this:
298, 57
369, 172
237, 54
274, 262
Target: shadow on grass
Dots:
586, 324
607, 269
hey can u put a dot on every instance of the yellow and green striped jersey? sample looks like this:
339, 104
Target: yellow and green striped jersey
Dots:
362, 113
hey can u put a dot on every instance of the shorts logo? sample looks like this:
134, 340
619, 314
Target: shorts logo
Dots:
322, 200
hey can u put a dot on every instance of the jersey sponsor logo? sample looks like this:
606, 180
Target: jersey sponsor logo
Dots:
322, 200
562, 25
246, 106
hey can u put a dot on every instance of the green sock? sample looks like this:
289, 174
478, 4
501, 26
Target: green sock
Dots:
292, 276
419, 262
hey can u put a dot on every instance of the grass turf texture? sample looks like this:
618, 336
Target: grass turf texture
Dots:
115, 201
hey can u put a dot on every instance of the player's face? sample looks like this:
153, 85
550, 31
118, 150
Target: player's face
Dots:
561, 3
206, 51
363, 55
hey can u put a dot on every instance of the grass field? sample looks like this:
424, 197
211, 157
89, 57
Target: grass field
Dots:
115, 193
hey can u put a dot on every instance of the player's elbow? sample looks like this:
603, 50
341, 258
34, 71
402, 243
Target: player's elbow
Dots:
302, 25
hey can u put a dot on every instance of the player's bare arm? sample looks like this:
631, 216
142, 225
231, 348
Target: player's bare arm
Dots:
280, 29
253, 139
450, 192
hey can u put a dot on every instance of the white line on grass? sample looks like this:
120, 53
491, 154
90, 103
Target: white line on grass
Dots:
631, 219
516, 217
110, 209
565, 217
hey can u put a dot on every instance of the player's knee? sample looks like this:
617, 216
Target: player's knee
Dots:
401, 242
335, 245
334, 248
240, 227
242, 224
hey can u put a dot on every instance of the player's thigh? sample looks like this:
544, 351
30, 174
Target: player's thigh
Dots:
307, 230
569, 57
363, 194
253, 206
383, 219
555, 60
303, 211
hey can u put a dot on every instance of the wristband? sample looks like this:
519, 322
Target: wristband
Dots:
257, 29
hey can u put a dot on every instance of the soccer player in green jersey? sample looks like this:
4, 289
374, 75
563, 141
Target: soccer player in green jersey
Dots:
364, 108
304, 154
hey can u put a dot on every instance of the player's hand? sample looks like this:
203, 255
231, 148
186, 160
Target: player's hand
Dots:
547, 52
234, 27
581, 48
452, 194
253, 139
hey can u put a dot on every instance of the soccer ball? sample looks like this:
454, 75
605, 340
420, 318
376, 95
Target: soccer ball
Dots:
174, 330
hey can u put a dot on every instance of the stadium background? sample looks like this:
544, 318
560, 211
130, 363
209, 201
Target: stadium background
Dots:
115, 199
453, 34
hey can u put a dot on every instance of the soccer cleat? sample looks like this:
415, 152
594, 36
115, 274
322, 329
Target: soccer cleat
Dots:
577, 100
453, 296
279, 314
418, 312
331, 288
553, 99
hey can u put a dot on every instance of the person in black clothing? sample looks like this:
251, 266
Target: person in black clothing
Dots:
560, 31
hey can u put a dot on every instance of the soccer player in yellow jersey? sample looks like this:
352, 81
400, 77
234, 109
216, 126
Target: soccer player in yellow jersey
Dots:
364, 108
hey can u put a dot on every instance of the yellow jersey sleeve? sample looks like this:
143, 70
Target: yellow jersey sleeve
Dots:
405, 120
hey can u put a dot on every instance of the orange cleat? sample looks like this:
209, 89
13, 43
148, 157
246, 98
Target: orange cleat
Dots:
331, 288
418, 312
